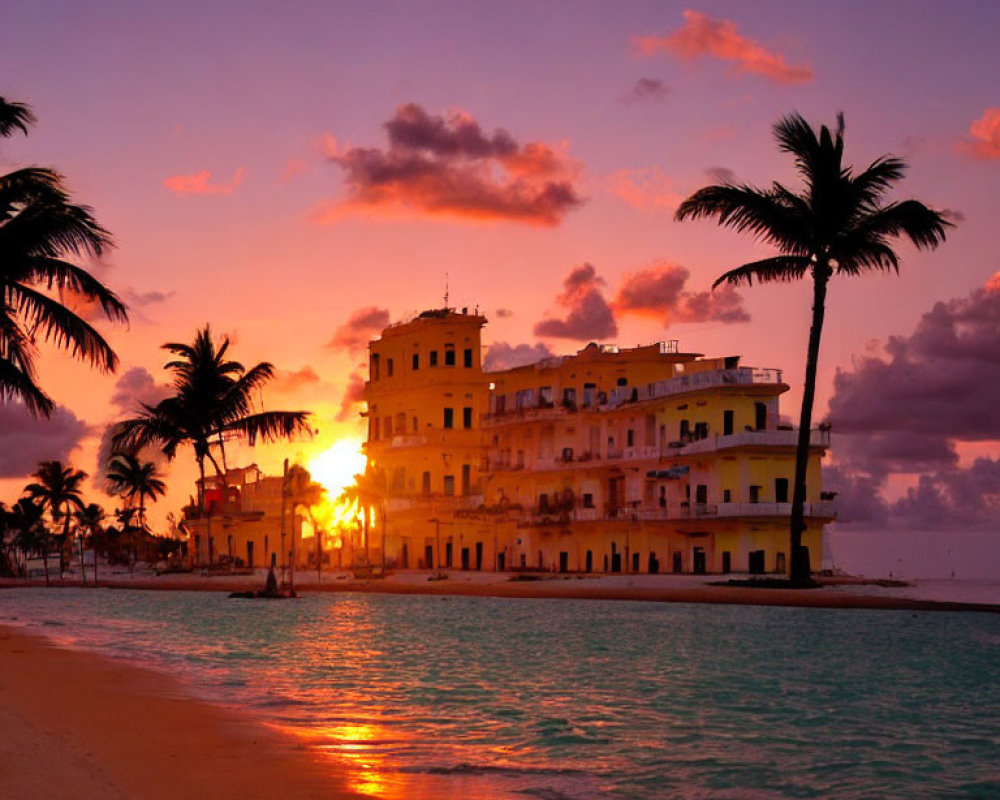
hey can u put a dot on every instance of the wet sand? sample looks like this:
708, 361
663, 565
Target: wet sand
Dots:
832, 592
76, 725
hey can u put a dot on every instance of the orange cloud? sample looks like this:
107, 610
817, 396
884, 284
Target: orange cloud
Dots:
588, 315
361, 327
200, 183
447, 166
644, 188
659, 291
985, 136
703, 36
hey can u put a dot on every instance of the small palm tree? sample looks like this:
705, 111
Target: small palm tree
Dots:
27, 521
213, 399
39, 228
837, 225
89, 519
135, 480
58, 489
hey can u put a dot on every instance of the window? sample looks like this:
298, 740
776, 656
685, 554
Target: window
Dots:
781, 490
426, 483
449, 357
449, 485
630, 438
375, 367
466, 478
388, 367
588, 500
545, 397
400, 425
416, 361
373, 423
467, 358
727, 496
685, 433
755, 494
387, 425
449, 418
727, 422
466, 417
414, 424
434, 358
623, 381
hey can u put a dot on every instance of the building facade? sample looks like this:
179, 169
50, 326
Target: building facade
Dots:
636, 460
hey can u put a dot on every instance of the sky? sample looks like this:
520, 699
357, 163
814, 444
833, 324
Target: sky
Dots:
299, 174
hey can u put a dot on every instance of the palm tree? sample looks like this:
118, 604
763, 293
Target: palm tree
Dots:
26, 519
57, 488
837, 225
134, 479
213, 399
39, 228
90, 519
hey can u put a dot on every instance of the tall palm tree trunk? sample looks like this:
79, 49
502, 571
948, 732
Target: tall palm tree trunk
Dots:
799, 564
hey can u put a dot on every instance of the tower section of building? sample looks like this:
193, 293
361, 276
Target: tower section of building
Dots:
426, 395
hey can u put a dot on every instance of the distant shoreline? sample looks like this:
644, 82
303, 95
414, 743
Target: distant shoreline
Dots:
839, 592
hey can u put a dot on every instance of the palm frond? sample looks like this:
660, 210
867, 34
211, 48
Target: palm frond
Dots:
62, 327
55, 272
53, 229
768, 270
765, 214
921, 225
17, 384
14, 116
271, 425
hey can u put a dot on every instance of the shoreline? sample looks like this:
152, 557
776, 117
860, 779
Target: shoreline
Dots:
77, 724
837, 592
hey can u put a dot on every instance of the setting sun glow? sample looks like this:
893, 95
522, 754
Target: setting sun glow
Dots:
336, 467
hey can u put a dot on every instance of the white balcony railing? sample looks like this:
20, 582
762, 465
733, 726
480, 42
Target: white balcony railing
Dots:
765, 438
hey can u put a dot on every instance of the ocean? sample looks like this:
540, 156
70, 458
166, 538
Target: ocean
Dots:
463, 697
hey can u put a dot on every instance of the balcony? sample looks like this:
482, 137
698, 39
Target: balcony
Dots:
673, 513
764, 438
738, 376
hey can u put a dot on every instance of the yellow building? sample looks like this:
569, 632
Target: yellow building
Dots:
612, 460
244, 523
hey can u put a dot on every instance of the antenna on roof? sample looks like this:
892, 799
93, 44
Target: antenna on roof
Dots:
446, 290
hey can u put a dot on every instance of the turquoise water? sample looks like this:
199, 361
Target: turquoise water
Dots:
434, 697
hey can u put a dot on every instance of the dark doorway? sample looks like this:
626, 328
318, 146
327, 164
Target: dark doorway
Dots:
479, 555
501, 562
465, 558
727, 562
677, 564
589, 561
654, 564
635, 562
727, 422
755, 562
250, 555
781, 490
466, 479
701, 494
699, 561
616, 558
760, 416
405, 556
447, 554
563, 561
429, 557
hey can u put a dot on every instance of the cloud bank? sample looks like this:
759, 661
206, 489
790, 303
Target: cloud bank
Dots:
27, 440
361, 327
659, 291
447, 166
501, 355
984, 138
588, 315
904, 412
718, 38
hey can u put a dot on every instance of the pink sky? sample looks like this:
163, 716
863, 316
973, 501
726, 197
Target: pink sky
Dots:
274, 169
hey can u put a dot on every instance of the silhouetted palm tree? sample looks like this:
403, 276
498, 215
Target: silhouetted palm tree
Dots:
57, 489
213, 398
90, 519
135, 480
837, 225
27, 521
39, 228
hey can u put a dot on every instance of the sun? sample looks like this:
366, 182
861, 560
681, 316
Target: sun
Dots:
336, 466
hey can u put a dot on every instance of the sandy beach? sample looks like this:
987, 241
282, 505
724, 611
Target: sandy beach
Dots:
76, 725
832, 592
